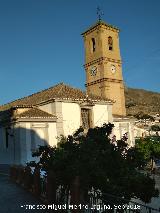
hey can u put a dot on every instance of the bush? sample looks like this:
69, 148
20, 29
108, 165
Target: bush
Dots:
155, 128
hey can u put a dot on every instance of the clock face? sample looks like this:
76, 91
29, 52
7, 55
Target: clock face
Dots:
113, 69
93, 71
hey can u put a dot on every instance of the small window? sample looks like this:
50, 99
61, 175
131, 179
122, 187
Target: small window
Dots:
93, 45
85, 118
110, 43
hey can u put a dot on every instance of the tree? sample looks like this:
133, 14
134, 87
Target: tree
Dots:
155, 128
148, 148
99, 163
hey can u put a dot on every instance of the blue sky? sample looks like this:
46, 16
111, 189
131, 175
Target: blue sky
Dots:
41, 43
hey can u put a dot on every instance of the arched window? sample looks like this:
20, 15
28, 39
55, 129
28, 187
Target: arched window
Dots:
93, 44
110, 43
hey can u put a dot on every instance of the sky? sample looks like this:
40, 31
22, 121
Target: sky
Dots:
41, 43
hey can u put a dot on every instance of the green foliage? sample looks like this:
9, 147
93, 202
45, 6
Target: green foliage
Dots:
148, 147
155, 128
99, 163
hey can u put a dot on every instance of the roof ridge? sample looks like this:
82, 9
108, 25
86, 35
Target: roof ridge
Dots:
60, 91
19, 99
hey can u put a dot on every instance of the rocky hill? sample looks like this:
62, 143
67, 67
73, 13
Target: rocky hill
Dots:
139, 100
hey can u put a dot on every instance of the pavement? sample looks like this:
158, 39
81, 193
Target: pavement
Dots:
14, 199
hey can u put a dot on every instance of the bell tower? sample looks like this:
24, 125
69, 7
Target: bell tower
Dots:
103, 64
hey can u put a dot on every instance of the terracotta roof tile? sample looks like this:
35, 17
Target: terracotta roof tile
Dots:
59, 91
35, 113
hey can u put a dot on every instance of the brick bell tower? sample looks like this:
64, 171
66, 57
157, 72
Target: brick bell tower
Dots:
103, 64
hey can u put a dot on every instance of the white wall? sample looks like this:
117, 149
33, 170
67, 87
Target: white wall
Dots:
120, 128
131, 132
52, 134
101, 114
47, 108
71, 117
39, 133
22, 142
6, 154
139, 132
20, 146
116, 131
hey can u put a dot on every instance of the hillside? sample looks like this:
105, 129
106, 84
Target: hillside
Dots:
141, 100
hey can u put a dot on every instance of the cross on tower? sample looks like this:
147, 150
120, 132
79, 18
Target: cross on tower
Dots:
99, 13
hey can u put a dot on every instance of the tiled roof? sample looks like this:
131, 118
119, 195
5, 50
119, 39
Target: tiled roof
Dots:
59, 91
35, 113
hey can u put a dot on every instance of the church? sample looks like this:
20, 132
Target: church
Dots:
41, 118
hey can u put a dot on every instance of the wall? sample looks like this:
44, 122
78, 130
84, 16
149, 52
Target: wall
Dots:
102, 114
101, 34
55, 108
120, 128
26, 136
47, 108
116, 131
52, 134
6, 154
35, 134
71, 117
139, 132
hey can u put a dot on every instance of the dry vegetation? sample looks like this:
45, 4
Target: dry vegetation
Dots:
139, 100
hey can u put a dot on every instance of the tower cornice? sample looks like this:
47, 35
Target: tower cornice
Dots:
103, 80
102, 59
100, 24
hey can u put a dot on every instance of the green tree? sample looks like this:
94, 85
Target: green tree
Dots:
100, 163
147, 148
155, 128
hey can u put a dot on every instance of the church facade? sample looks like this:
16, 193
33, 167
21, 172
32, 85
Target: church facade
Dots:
40, 119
